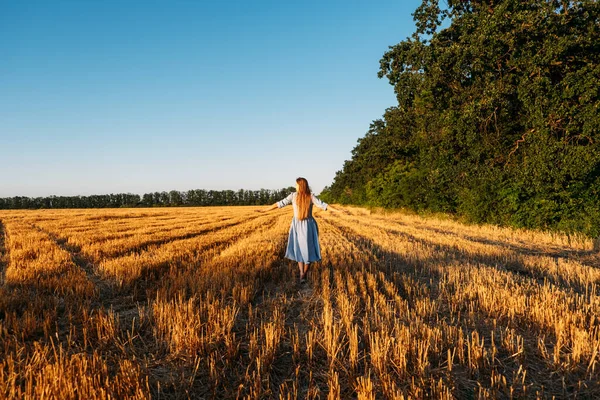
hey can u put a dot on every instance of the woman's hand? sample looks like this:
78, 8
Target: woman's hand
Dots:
264, 210
337, 210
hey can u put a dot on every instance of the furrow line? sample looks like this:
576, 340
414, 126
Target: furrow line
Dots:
125, 299
588, 257
519, 280
145, 245
508, 260
104, 287
158, 242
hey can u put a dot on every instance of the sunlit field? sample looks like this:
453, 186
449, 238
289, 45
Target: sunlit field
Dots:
200, 303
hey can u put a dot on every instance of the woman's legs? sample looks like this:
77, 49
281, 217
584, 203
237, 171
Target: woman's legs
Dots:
303, 268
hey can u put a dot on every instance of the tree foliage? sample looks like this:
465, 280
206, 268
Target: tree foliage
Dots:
497, 117
174, 198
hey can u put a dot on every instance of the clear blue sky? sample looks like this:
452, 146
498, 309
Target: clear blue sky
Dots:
140, 96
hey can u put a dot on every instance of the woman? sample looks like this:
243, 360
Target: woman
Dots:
303, 239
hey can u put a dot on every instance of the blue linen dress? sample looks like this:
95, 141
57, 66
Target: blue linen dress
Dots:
303, 240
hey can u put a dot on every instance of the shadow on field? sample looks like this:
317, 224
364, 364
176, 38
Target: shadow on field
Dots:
394, 264
588, 258
110, 289
512, 262
145, 245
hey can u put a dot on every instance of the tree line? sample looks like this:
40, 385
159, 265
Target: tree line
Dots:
497, 120
174, 198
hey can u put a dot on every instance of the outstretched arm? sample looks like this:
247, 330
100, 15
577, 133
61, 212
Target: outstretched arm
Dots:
279, 204
337, 210
324, 206
271, 207
318, 202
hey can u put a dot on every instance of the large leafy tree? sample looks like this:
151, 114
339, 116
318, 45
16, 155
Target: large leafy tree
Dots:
497, 116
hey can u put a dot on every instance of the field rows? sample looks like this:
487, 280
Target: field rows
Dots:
200, 303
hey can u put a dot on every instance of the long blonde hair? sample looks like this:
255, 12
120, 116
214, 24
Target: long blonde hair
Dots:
303, 198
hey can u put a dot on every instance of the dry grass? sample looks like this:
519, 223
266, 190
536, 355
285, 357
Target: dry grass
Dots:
199, 303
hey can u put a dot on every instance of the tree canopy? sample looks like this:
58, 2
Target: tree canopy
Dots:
497, 117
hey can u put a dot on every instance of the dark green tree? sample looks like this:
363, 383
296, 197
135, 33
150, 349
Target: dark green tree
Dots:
497, 117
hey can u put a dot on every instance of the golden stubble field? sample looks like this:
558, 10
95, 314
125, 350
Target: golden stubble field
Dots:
199, 303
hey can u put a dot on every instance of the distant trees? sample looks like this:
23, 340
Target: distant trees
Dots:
498, 117
94, 201
174, 198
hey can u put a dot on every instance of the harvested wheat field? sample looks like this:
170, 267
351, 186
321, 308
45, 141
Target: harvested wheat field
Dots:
200, 303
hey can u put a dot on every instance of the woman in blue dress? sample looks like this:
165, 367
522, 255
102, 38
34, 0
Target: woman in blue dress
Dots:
303, 240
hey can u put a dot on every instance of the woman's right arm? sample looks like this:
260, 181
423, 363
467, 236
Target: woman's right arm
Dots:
279, 204
271, 207
336, 210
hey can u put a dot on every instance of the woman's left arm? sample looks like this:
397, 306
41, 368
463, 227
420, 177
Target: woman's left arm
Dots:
318, 202
321, 204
